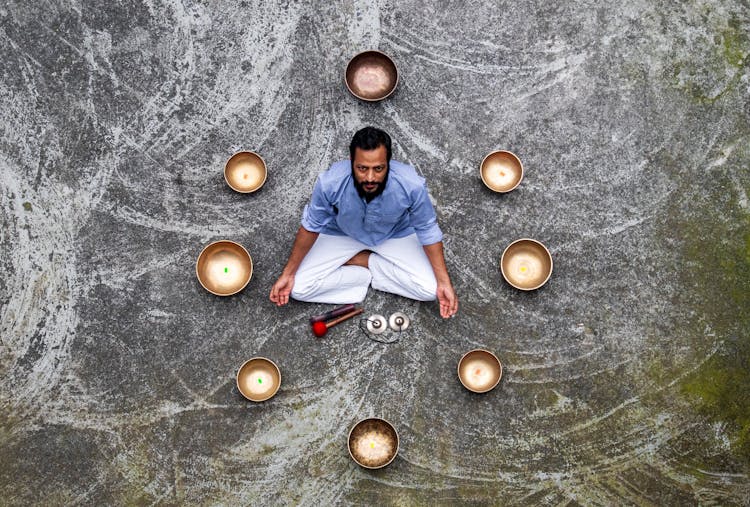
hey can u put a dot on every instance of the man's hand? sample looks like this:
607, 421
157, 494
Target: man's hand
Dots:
447, 299
281, 289
445, 294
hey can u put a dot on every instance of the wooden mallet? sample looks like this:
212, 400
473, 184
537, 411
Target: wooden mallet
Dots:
320, 328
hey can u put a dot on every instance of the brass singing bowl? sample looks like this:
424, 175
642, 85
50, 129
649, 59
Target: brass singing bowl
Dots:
479, 370
526, 264
258, 379
501, 171
245, 172
224, 268
371, 76
373, 443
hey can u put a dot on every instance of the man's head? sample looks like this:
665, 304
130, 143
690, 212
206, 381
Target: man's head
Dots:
370, 153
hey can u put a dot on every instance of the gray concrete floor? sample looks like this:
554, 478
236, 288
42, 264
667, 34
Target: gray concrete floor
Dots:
117, 367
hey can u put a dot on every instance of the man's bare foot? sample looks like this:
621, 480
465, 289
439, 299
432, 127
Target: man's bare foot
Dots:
360, 259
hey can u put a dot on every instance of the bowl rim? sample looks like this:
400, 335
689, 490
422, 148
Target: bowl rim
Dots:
198, 275
481, 173
549, 255
388, 58
458, 371
265, 172
349, 441
258, 358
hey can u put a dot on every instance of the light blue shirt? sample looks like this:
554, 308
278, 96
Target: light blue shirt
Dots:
402, 209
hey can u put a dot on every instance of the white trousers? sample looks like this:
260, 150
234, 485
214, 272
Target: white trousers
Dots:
399, 266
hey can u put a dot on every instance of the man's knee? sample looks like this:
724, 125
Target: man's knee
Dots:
304, 287
426, 290
302, 291
348, 282
299, 295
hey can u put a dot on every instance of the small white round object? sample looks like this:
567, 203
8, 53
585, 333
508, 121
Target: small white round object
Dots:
399, 321
376, 324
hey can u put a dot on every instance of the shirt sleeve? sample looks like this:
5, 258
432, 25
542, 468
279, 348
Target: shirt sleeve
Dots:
423, 218
319, 212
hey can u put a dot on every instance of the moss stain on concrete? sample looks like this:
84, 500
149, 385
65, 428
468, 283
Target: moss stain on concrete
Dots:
730, 48
716, 275
720, 388
734, 43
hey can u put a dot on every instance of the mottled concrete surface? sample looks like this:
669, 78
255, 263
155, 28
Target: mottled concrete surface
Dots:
626, 376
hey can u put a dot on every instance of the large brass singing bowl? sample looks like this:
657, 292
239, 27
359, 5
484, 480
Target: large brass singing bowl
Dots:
224, 268
479, 370
526, 264
258, 379
245, 172
373, 443
501, 171
371, 76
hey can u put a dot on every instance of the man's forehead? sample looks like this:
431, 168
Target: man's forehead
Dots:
378, 155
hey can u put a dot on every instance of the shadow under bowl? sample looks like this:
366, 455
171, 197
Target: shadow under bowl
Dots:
245, 172
501, 171
371, 76
479, 370
526, 264
224, 268
258, 379
373, 443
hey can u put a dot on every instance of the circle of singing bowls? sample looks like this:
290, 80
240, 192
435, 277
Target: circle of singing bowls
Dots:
371, 76
224, 268
373, 443
479, 370
501, 171
245, 172
258, 379
526, 264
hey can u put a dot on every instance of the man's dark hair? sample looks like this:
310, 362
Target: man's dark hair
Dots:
369, 138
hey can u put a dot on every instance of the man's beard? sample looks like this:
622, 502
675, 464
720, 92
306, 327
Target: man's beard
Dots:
369, 196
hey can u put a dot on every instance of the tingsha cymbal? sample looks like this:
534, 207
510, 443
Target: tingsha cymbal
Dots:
399, 321
376, 324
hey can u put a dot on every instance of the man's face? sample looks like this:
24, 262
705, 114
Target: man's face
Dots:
370, 168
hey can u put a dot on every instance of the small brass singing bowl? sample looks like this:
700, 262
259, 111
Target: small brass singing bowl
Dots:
501, 171
479, 370
373, 443
245, 172
526, 264
224, 268
371, 76
258, 379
